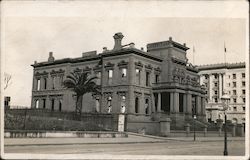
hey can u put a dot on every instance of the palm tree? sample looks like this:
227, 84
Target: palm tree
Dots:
81, 84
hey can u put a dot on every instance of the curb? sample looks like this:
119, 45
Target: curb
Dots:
8, 145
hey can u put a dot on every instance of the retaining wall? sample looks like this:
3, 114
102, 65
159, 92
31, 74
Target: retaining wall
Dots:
62, 134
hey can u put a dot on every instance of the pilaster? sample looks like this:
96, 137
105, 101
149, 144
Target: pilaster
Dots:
159, 103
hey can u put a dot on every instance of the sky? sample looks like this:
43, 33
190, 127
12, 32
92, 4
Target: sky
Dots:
29, 31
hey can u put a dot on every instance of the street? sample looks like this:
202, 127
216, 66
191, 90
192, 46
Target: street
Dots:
134, 145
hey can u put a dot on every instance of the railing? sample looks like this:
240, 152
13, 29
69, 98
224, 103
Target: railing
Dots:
176, 84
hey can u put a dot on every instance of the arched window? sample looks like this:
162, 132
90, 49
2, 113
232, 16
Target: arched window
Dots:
136, 105
235, 121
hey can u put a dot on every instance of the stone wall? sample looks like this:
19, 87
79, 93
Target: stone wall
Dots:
35, 119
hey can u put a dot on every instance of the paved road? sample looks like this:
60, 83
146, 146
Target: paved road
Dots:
134, 145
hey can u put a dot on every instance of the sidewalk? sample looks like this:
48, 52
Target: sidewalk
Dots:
191, 138
132, 138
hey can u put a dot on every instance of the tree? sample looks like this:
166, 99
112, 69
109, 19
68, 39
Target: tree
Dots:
7, 80
81, 84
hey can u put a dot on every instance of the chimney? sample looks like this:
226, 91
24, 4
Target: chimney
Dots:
105, 49
51, 58
118, 40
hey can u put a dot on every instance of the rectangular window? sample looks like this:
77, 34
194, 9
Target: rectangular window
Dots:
147, 78
243, 83
234, 92
138, 76
215, 84
156, 78
215, 92
123, 104
53, 82
97, 105
52, 104
44, 103
45, 83
38, 84
235, 100
109, 104
124, 72
110, 76
234, 76
206, 76
243, 75
37, 103
244, 100
146, 106
60, 105
234, 84
215, 76
243, 108
215, 100
244, 91
110, 72
235, 108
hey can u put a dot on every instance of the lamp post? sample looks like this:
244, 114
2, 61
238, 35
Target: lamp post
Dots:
225, 100
194, 126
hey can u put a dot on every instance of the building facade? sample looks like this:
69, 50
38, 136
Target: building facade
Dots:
150, 84
224, 78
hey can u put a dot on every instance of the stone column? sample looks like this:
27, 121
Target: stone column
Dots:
153, 102
203, 106
149, 106
131, 104
172, 102
176, 102
198, 105
159, 103
223, 82
210, 87
189, 103
220, 86
131, 71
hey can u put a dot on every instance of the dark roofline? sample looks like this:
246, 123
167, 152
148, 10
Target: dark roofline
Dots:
221, 66
165, 44
122, 51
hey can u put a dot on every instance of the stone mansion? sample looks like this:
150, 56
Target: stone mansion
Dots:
150, 84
